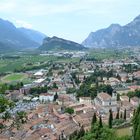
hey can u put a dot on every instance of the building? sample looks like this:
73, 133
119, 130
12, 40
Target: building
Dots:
104, 102
45, 97
85, 100
124, 98
14, 95
39, 74
135, 101
39, 82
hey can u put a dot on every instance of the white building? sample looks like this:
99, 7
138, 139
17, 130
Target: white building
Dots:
85, 100
40, 73
40, 81
104, 102
45, 97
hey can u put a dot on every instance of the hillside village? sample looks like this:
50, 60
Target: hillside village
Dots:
63, 98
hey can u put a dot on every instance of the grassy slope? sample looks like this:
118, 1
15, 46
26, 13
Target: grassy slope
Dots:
123, 132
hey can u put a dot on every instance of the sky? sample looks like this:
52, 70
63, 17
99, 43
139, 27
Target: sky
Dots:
69, 19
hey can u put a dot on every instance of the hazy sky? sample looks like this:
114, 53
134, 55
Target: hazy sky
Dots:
70, 19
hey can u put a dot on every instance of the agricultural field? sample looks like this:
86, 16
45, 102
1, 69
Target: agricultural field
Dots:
29, 61
8, 65
101, 54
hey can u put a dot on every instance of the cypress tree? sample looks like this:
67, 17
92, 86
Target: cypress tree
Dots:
118, 97
100, 122
136, 123
124, 114
118, 114
81, 132
55, 97
94, 119
137, 135
110, 118
121, 116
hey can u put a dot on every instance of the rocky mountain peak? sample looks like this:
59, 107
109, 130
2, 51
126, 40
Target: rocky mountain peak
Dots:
115, 36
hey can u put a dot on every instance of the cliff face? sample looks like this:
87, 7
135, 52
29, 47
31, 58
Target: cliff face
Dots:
115, 36
56, 43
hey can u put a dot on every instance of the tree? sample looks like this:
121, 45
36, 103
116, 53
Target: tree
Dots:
121, 116
69, 110
71, 90
118, 97
84, 78
137, 136
75, 78
55, 85
100, 122
6, 116
21, 84
11, 87
21, 117
136, 124
110, 118
73, 135
109, 89
2, 126
118, 114
81, 133
4, 104
55, 97
118, 77
124, 114
94, 119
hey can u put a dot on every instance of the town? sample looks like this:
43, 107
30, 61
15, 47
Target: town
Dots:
64, 97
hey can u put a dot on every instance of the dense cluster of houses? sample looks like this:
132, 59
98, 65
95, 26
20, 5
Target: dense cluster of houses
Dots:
47, 120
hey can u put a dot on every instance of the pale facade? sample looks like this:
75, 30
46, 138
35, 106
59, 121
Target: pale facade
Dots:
104, 102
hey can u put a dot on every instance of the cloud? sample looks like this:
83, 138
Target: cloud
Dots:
84, 6
21, 23
52, 7
6, 7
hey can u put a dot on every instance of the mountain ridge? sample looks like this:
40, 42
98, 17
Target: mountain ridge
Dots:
33, 34
115, 36
13, 37
56, 43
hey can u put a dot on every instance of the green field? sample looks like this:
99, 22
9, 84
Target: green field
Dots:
7, 65
124, 132
101, 54
14, 77
28, 61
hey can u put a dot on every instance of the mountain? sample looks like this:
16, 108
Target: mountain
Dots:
33, 35
16, 38
115, 36
5, 48
56, 43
